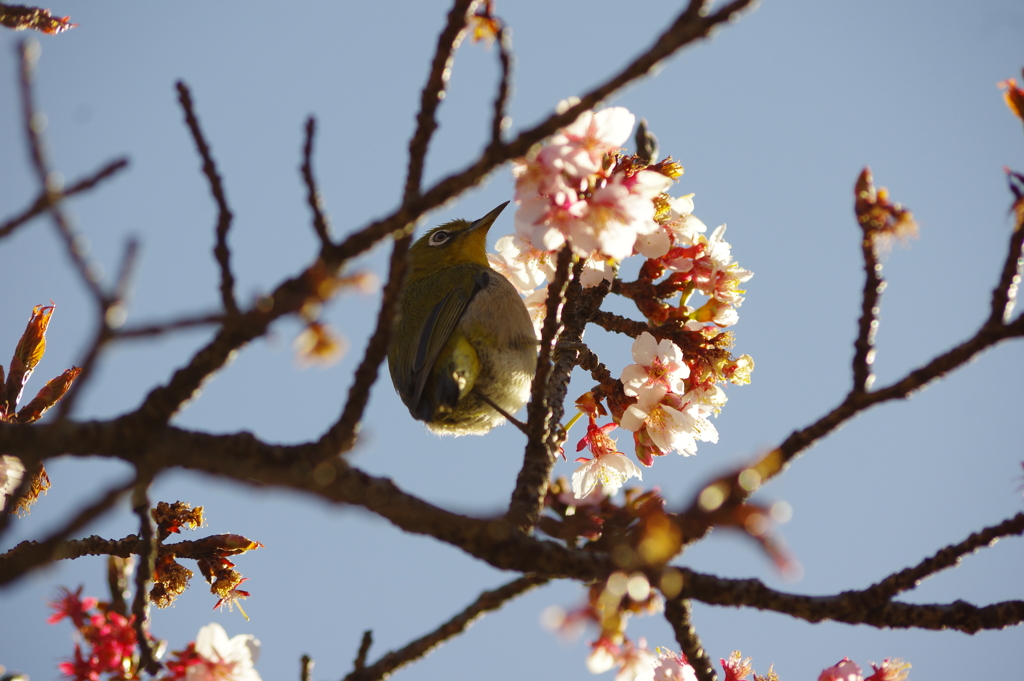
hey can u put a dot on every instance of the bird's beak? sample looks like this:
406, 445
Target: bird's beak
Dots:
486, 221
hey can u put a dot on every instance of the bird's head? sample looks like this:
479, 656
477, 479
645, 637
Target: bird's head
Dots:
458, 242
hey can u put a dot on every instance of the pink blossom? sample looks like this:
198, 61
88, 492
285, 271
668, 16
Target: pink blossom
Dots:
71, 605
844, 670
580, 147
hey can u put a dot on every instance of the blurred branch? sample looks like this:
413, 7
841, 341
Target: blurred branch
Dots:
487, 601
224, 216
113, 313
678, 613
20, 561
165, 327
1005, 292
144, 574
47, 199
500, 120
35, 122
313, 196
306, 670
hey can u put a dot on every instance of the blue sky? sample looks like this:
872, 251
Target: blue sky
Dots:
772, 119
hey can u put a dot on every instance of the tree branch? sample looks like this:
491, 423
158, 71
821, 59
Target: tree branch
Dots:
486, 602
224, 215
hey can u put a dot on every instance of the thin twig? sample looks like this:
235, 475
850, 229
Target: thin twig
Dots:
864, 346
433, 93
500, 120
488, 601
114, 305
224, 216
118, 571
306, 670
947, 557
161, 328
144, 575
47, 198
29, 52
313, 197
341, 436
1004, 294
677, 612
364, 650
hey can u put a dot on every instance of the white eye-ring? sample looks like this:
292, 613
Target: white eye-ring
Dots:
439, 237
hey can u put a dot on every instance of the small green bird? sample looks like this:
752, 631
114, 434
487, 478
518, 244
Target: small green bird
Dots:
462, 335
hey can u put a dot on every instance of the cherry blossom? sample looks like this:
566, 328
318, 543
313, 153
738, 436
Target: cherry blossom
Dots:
671, 421
609, 467
672, 666
656, 363
222, 659
890, 670
580, 147
636, 663
844, 670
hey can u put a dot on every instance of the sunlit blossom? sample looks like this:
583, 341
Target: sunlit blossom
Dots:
672, 666
11, 473
844, 670
636, 663
579, 148
609, 468
890, 670
671, 421
224, 659
656, 363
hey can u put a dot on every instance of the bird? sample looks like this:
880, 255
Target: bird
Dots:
463, 350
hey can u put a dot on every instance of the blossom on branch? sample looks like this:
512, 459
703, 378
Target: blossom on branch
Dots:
609, 468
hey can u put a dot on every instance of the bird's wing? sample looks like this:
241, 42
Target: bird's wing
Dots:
462, 283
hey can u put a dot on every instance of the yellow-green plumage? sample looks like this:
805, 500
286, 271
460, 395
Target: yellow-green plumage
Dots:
461, 330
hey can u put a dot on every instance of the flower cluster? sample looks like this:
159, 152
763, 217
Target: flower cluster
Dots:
109, 638
668, 414
580, 191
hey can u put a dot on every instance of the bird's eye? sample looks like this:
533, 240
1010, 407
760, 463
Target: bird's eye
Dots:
439, 237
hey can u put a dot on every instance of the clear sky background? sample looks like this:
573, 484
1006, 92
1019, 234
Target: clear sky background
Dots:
773, 119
